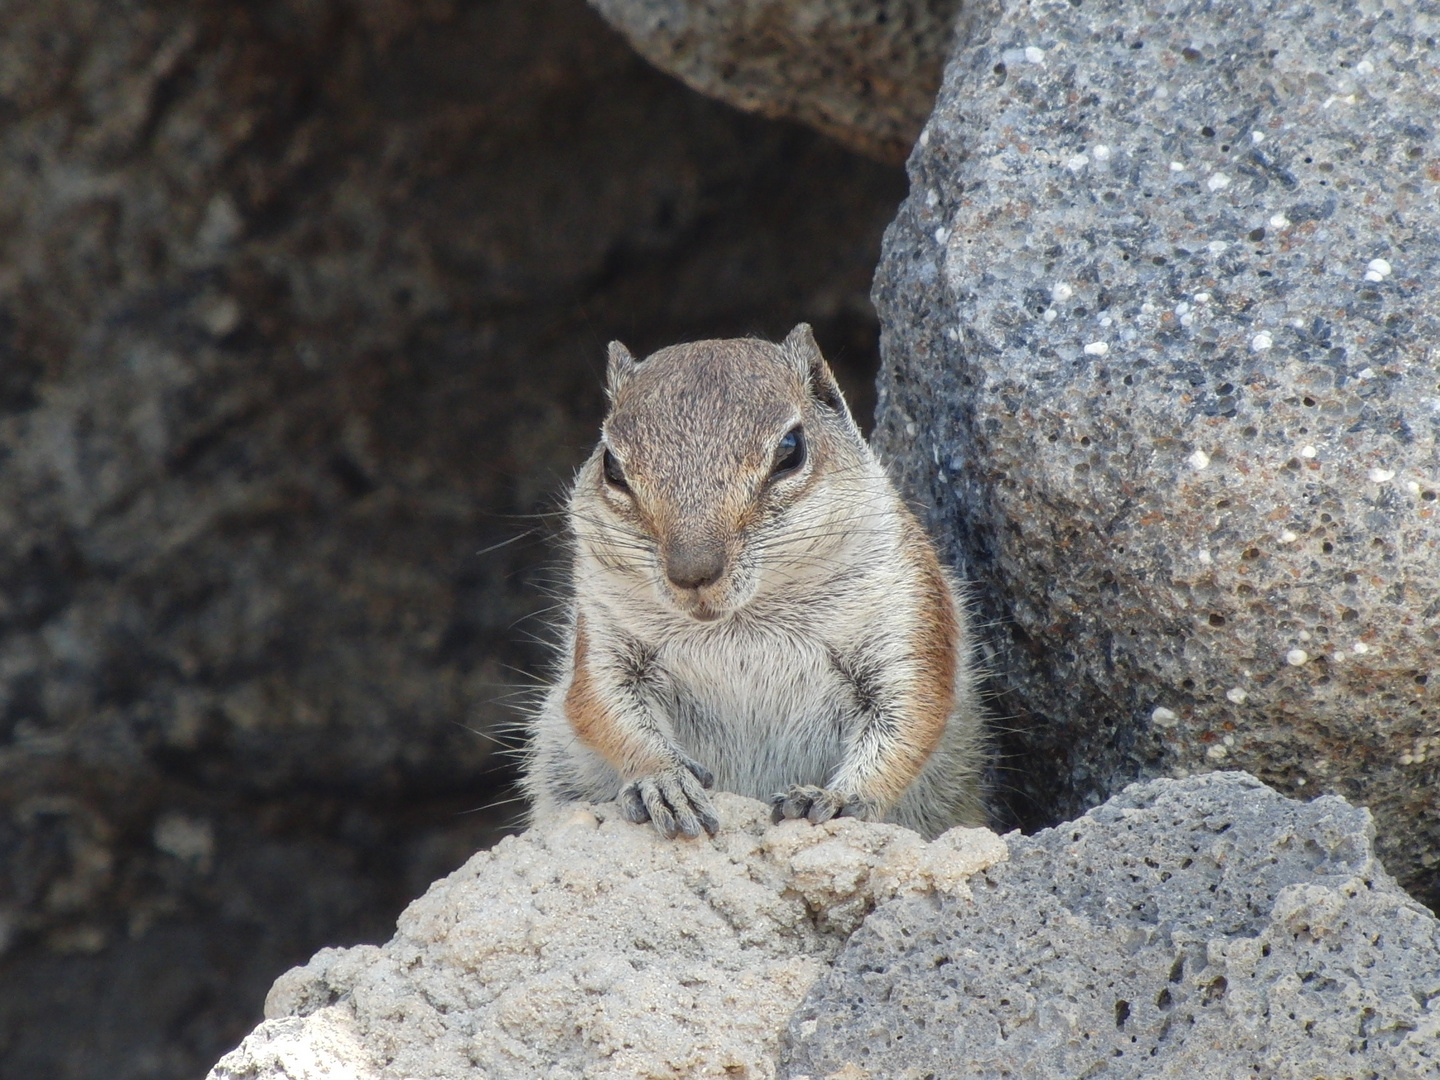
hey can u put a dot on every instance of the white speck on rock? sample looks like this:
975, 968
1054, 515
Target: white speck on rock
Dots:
1218, 247
912, 429
1412, 486
1308, 451
1257, 137
1381, 476
221, 316
1365, 67
1297, 657
1378, 270
932, 197
1061, 292
1187, 319
1078, 162
1202, 297
1262, 341
1163, 717
1034, 54
1237, 694
1360, 647
1181, 308
942, 234
188, 839
1304, 635
1279, 221
925, 137
1097, 348
1101, 152
1198, 460
1288, 537
221, 225
1365, 373
1206, 558
1218, 752
1051, 314
1177, 166
1218, 181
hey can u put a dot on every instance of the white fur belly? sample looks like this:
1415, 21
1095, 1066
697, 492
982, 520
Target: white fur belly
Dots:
760, 714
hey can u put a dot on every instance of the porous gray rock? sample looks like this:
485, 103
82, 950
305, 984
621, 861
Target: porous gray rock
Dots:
1161, 318
1188, 928
592, 947
863, 71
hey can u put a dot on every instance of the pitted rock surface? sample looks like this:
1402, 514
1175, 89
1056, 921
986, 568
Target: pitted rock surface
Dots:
1162, 351
863, 72
1199, 928
593, 947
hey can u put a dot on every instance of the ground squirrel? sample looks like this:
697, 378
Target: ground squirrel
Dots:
753, 608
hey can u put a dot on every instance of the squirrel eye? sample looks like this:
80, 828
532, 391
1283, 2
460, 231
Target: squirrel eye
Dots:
789, 454
614, 475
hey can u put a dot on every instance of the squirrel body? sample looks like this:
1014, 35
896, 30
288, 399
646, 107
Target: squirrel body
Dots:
753, 607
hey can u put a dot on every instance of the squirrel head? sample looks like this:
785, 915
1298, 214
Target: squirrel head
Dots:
710, 454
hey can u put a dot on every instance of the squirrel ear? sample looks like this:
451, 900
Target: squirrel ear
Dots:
618, 367
804, 352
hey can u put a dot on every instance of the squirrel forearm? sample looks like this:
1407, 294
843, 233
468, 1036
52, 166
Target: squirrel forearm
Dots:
906, 724
610, 718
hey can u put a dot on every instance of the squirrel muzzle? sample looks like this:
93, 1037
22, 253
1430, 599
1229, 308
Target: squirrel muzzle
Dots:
693, 564
695, 567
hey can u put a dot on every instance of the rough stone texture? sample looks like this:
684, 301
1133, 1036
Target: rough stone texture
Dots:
302, 306
593, 947
1197, 928
1160, 322
863, 71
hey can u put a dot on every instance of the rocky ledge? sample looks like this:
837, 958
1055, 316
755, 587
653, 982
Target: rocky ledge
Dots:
1206, 926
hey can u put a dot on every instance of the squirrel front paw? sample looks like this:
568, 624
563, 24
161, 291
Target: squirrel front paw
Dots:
817, 804
673, 799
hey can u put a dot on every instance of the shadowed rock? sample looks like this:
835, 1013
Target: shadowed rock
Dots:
864, 73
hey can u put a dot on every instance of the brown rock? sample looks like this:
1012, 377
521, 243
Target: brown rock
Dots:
863, 72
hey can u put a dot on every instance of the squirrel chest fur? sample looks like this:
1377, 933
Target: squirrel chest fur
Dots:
754, 608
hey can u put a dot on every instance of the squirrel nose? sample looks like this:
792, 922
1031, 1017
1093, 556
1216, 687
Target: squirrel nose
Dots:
693, 566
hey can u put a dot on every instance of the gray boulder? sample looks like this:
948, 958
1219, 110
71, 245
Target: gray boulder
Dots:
1197, 928
1160, 324
863, 71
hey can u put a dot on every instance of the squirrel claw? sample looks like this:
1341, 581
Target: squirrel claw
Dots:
673, 801
704, 775
814, 804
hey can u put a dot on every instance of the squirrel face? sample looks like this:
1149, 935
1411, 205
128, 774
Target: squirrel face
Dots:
710, 452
